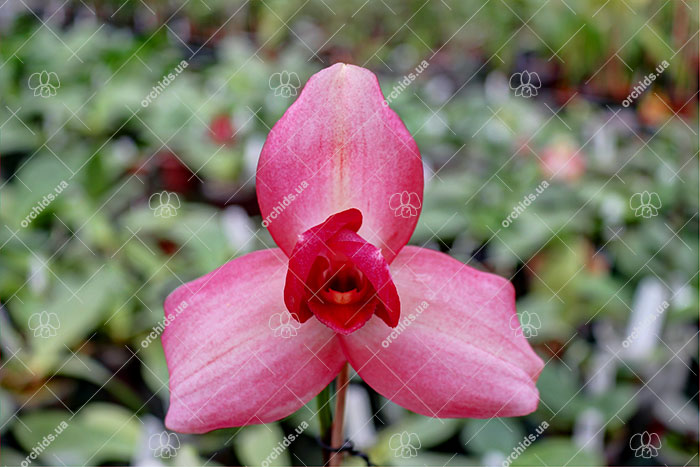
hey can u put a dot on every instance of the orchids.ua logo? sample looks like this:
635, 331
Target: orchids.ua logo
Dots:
284, 325
405, 204
43, 203
44, 84
164, 444
524, 204
158, 329
649, 319
164, 204
642, 85
44, 324
285, 84
645, 204
404, 444
524, 444
164, 82
526, 324
405, 322
280, 207
645, 445
525, 84
284, 444
44, 443
405, 82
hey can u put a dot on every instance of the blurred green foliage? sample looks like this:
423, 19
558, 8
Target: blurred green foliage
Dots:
98, 258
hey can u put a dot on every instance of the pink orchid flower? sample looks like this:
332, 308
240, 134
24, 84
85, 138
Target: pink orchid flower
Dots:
418, 326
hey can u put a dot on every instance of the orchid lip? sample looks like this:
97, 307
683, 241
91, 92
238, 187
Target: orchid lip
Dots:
342, 283
340, 278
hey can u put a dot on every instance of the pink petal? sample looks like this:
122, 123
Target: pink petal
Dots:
350, 150
459, 357
229, 363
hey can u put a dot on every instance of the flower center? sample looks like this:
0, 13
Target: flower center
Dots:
337, 281
337, 276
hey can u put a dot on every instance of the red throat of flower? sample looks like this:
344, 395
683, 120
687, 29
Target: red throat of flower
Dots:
335, 275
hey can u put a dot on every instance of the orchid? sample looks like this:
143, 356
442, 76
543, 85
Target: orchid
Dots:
345, 278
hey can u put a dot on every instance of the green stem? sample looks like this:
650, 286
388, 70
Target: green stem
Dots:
341, 386
325, 419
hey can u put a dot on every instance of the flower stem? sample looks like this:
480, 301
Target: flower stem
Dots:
337, 440
325, 419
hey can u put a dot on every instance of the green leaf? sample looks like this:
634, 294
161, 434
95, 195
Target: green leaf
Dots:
258, 443
430, 431
495, 434
99, 433
77, 303
557, 451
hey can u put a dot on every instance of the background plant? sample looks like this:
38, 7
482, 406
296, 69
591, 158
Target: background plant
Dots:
581, 260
